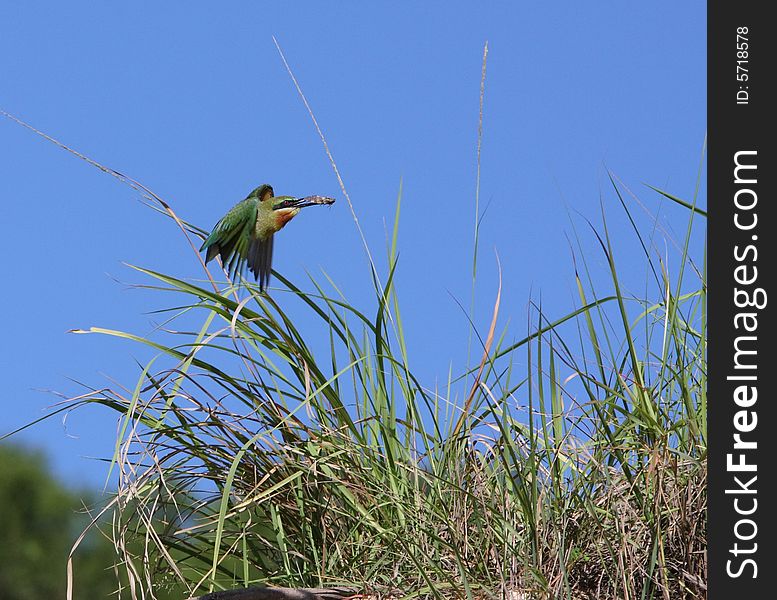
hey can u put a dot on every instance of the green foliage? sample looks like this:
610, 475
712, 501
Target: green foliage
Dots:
40, 521
570, 464
247, 457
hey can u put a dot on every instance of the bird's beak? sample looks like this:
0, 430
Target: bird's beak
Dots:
303, 202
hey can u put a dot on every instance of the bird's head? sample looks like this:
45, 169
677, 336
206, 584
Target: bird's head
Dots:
287, 207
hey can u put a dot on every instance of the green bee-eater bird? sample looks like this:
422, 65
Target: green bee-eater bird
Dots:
245, 233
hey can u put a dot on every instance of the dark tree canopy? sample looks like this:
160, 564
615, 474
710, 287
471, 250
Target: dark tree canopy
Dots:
41, 518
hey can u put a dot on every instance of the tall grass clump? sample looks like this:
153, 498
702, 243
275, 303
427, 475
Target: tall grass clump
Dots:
569, 464
245, 457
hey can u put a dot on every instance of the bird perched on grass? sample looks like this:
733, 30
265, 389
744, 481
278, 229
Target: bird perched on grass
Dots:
245, 234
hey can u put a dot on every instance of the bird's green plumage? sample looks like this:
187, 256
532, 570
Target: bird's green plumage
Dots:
244, 236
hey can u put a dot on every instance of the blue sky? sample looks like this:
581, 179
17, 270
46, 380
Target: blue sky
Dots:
193, 100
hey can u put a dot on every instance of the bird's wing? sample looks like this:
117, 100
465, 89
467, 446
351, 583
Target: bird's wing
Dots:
260, 259
232, 236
